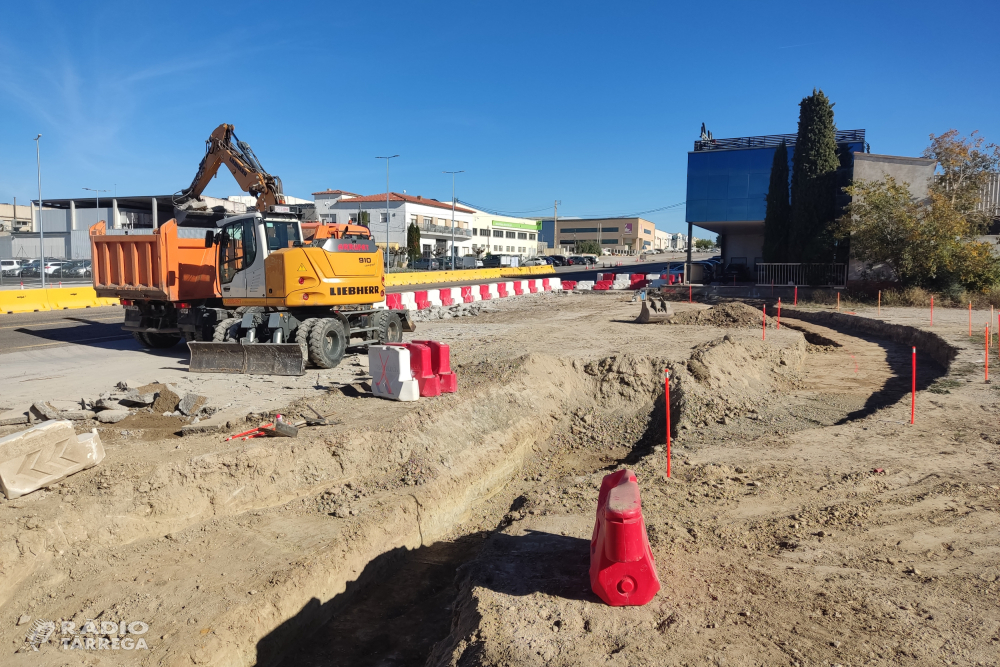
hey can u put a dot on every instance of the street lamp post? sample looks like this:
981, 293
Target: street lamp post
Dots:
41, 232
386, 158
97, 203
453, 214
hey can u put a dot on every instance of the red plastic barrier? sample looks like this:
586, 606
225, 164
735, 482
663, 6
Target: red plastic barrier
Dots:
603, 284
545, 285
607, 276
569, 284
441, 365
502, 290
533, 286
467, 294
422, 369
622, 570
446, 298
394, 301
518, 287
670, 279
484, 292
421, 299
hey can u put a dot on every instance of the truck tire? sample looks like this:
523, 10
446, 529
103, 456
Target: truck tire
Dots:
390, 327
224, 330
162, 341
327, 343
140, 338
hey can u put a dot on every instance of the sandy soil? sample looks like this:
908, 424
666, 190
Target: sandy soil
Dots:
775, 541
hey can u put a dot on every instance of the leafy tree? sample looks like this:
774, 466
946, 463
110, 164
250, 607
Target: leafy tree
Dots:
965, 165
587, 248
813, 191
413, 241
776, 219
704, 244
930, 243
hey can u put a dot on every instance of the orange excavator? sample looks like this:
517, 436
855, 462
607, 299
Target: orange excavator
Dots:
260, 292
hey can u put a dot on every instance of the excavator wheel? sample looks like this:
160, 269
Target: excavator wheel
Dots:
302, 335
390, 327
162, 341
327, 343
224, 330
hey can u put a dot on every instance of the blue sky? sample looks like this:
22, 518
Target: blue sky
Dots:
594, 104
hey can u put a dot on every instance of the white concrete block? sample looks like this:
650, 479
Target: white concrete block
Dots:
389, 366
45, 454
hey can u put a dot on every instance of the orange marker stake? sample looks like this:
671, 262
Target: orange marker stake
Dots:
796, 301
779, 312
932, 311
913, 389
667, 399
987, 354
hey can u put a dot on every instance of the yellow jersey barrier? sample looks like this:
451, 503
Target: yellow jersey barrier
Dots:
56, 298
462, 275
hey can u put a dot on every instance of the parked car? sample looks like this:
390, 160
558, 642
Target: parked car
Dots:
80, 268
428, 264
557, 260
535, 261
52, 265
29, 270
581, 260
10, 267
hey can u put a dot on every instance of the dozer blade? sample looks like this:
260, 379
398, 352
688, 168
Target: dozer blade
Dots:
253, 359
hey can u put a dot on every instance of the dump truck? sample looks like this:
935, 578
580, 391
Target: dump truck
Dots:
248, 293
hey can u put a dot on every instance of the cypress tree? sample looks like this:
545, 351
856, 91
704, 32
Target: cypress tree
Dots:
814, 167
413, 242
778, 209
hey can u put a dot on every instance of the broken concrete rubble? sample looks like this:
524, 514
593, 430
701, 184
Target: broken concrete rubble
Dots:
166, 400
191, 404
134, 398
112, 416
45, 454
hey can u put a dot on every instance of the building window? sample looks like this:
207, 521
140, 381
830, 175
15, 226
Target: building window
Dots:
497, 234
522, 235
531, 237
413, 219
474, 231
512, 235
382, 218
647, 232
353, 217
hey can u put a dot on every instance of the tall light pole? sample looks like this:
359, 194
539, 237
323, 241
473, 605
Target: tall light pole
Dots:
453, 214
41, 232
386, 158
97, 203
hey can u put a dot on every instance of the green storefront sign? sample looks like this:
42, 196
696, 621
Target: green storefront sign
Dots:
533, 226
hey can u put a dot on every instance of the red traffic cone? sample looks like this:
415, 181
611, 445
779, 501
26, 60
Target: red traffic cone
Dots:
622, 570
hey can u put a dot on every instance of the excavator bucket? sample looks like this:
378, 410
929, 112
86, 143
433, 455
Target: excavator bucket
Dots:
653, 312
252, 359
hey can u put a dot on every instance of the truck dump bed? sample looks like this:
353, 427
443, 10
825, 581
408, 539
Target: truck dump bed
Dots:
168, 264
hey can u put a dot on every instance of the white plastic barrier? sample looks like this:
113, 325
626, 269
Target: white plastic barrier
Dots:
434, 297
585, 285
555, 283
535, 284
477, 295
521, 285
494, 292
389, 366
380, 305
509, 286
408, 300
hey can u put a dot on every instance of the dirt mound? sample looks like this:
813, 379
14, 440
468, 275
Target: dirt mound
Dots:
735, 314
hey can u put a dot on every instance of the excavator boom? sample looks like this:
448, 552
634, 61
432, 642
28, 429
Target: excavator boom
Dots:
223, 147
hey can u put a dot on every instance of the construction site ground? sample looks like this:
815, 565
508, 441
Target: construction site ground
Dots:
806, 521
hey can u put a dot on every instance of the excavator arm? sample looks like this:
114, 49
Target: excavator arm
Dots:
223, 147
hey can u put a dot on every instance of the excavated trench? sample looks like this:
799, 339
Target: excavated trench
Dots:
731, 391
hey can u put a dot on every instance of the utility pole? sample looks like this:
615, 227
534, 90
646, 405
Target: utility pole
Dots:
41, 232
386, 158
453, 214
97, 203
555, 222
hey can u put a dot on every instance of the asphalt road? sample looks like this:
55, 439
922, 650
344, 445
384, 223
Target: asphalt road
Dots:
38, 331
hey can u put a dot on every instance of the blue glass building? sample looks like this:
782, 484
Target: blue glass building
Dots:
727, 187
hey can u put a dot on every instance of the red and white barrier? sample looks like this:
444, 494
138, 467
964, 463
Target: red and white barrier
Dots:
449, 296
520, 287
441, 365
